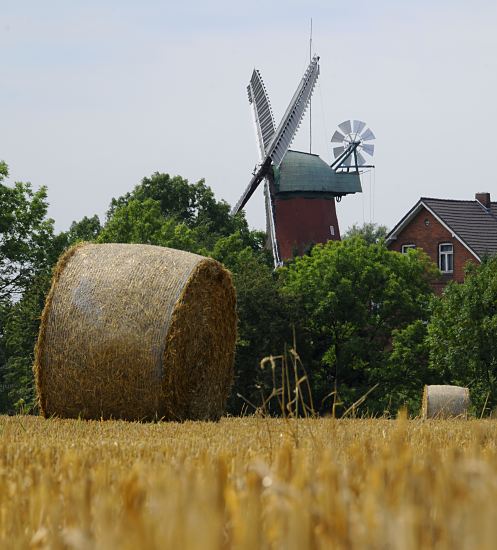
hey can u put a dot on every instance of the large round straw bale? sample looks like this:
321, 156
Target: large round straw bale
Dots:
445, 402
136, 332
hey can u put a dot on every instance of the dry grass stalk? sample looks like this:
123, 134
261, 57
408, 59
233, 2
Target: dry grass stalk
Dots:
136, 332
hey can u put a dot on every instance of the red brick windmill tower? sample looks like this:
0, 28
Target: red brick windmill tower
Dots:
300, 188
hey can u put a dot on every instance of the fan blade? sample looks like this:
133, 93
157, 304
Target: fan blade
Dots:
361, 161
252, 186
264, 121
337, 137
345, 127
291, 120
337, 151
368, 148
358, 126
367, 135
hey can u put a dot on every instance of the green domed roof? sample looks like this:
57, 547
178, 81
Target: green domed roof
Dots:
305, 173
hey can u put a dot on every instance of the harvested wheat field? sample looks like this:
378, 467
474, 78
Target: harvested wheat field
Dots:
248, 483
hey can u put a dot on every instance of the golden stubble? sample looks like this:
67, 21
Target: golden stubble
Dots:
342, 484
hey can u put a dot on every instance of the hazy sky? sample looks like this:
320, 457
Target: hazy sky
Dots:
95, 95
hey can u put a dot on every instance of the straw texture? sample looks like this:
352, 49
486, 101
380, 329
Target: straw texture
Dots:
136, 332
445, 402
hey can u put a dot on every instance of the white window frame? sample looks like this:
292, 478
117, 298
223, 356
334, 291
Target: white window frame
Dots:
406, 247
445, 254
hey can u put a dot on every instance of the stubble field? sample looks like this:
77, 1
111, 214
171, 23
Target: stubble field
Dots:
248, 483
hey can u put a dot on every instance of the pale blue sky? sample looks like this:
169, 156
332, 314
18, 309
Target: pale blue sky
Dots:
96, 95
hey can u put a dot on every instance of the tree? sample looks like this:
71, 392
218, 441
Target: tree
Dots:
462, 334
27, 251
134, 222
408, 368
3, 356
350, 297
264, 326
192, 205
20, 334
370, 232
171, 212
25, 235
87, 229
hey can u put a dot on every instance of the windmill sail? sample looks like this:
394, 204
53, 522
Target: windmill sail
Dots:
263, 114
252, 186
293, 116
283, 137
270, 225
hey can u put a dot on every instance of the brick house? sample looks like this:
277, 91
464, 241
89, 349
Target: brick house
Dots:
451, 232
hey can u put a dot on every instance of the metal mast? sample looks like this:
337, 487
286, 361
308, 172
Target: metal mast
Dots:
310, 99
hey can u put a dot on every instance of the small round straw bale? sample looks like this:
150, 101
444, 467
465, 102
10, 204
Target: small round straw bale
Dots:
445, 402
136, 332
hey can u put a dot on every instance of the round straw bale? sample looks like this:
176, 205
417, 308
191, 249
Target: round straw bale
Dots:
136, 332
445, 402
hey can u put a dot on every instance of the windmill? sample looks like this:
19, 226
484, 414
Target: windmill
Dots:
300, 188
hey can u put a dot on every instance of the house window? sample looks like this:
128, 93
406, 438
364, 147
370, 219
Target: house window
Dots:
406, 247
332, 230
446, 258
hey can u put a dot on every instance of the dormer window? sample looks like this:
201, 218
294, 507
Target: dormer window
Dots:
446, 257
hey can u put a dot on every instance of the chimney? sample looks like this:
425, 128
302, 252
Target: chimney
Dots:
483, 199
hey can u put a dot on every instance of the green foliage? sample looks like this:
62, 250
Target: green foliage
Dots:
350, 297
462, 334
134, 222
87, 229
408, 369
171, 212
371, 232
27, 251
263, 327
4, 170
25, 236
233, 251
190, 205
3, 355
20, 334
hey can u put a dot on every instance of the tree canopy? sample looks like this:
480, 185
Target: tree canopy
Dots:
351, 296
25, 235
192, 206
462, 334
27, 251
371, 232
